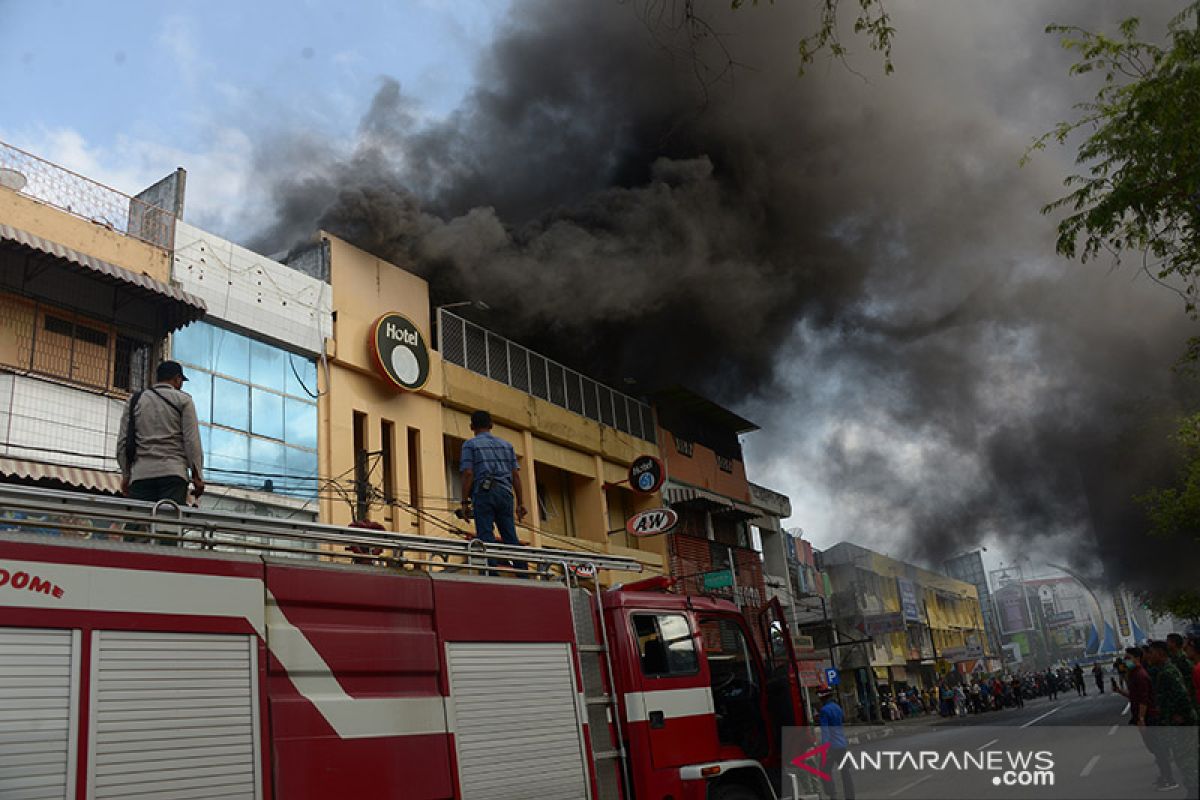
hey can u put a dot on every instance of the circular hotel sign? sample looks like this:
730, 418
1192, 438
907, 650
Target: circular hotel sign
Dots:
647, 474
400, 352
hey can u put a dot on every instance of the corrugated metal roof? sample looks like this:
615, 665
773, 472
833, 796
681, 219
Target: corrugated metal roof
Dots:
94, 479
192, 307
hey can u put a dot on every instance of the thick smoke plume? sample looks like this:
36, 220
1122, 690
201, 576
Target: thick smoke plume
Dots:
860, 263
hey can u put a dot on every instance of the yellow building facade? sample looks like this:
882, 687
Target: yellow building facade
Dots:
390, 454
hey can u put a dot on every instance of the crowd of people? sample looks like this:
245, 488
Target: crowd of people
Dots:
1162, 684
983, 693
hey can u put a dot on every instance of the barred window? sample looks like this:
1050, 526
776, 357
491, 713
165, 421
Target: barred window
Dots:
65, 345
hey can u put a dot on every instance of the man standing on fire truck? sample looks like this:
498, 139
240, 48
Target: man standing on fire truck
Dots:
490, 479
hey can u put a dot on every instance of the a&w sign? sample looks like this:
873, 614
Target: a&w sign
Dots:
651, 522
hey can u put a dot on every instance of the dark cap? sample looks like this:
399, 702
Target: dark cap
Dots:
481, 421
168, 370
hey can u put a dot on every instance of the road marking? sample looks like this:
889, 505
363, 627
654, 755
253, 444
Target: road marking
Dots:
908, 786
1126, 711
1087, 770
988, 744
1042, 717
1113, 729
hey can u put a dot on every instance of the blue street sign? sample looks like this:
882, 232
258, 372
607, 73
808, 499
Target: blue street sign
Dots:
831, 677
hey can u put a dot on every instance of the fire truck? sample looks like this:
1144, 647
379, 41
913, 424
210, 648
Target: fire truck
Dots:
219, 656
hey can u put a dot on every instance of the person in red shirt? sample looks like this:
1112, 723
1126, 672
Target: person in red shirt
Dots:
1142, 713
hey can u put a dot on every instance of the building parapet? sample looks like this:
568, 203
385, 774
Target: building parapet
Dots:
478, 350
776, 504
85, 198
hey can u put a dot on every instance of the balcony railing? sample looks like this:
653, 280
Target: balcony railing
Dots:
479, 350
83, 197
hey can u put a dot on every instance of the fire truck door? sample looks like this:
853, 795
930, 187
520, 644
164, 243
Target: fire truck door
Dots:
674, 706
785, 695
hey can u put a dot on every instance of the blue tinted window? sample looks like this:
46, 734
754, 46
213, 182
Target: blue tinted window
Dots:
300, 423
266, 458
231, 354
230, 451
306, 369
268, 365
193, 345
301, 464
231, 404
199, 386
266, 413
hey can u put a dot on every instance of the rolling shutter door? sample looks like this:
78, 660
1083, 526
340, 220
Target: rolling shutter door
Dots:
516, 723
39, 685
173, 715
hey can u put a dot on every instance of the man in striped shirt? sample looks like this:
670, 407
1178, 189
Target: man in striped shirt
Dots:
490, 481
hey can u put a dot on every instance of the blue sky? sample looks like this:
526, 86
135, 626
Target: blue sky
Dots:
125, 91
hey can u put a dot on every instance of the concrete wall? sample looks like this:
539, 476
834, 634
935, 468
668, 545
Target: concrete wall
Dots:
365, 288
91, 238
252, 292
700, 469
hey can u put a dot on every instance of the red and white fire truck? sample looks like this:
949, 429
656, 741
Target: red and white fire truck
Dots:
246, 662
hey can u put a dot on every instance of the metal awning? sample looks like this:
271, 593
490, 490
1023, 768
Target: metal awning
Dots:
716, 503
60, 475
185, 308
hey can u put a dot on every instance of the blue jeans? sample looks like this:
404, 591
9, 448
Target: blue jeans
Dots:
494, 509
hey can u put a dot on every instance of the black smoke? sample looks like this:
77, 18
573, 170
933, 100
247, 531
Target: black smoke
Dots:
859, 261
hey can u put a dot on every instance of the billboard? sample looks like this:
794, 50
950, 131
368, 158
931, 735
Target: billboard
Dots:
1060, 619
1012, 608
909, 607
878, 624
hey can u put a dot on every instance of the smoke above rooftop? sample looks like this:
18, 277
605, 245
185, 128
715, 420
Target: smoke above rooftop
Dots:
859, 264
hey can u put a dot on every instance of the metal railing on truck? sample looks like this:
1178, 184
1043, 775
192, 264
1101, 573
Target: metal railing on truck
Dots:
60, 513
87, 516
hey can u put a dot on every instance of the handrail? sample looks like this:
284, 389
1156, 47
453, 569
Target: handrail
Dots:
225, 529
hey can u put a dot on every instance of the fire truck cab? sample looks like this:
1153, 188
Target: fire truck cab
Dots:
704, 707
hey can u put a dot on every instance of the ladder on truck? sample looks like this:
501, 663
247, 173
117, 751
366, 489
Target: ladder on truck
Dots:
599, 696
36, 510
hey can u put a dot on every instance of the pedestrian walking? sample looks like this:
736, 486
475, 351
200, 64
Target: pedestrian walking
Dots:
1175, 713
1017, 692
1140, 692
1051, 684
1077, 680
490, 481
1098, 677
833, 733
158, 443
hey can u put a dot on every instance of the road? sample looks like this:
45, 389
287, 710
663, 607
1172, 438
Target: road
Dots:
1095, 754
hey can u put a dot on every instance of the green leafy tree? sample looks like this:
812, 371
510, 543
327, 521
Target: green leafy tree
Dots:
1174, 511
871, 21
1139, 192
1138, 195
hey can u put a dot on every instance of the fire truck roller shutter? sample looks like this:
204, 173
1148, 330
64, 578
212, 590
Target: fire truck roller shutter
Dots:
174, 715
39, 692
516, 721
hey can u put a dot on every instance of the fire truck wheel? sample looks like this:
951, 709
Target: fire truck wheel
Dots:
733, 791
